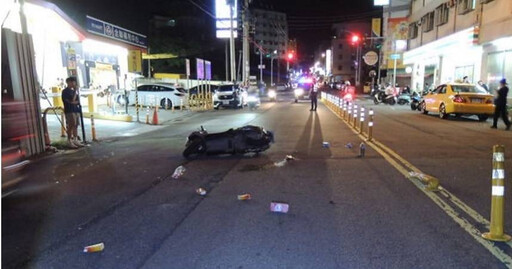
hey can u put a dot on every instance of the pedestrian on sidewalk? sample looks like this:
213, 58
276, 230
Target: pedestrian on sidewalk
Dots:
72, 112
314, 97
501, 105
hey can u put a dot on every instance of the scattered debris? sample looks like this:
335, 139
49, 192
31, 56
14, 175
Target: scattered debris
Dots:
94, 248
326, 144
243, 197
431, 182
72, 175
349, 145
279, 207
288, 158
201, 191
332, 202
362, 149
180, 170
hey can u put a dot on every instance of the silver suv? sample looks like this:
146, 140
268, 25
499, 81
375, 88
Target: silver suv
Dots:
229, 96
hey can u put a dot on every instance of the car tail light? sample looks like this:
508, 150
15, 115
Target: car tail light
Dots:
488, 101
458, 99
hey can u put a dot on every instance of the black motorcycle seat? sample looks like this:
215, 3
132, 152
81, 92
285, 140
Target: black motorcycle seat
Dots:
227, 133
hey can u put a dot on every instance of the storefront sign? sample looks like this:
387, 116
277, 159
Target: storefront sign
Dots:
376, 25
134, 61
200, 68
112, 31
71, 62
208, 67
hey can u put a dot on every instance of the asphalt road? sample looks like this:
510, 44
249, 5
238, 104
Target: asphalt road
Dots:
345, 211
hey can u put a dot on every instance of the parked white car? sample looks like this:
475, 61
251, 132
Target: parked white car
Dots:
164, 95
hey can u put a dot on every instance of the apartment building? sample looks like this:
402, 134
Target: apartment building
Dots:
448, 40
271, 31
344, 61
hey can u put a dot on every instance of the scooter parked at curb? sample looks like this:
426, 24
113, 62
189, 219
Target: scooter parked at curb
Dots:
242, 140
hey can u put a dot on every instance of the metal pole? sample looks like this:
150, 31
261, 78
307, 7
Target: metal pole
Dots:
149, 66
271, 71
261, 67
370, 125
137, 101
245, 46
394, 73
240, 54
232, 43
227, 62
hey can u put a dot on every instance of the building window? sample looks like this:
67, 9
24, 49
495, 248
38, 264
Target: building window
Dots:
340, 67
340, 57
413, 30
442, 13
427, 22
466, 6
340, 46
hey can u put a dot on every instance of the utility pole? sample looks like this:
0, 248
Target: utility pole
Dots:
245, 46
232, 41
227, 62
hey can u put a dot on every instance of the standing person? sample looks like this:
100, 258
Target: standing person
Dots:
313, 96
465, 79
72, 111
501, 105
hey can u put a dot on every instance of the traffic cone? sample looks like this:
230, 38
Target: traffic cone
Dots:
155, 117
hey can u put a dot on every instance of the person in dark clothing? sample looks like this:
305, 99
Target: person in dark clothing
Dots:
501, 105
314, 98
72, 111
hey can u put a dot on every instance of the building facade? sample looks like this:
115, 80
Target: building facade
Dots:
344, 59
271, 31
449, 40
394, 42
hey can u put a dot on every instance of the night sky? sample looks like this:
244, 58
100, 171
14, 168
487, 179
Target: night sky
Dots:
309, 20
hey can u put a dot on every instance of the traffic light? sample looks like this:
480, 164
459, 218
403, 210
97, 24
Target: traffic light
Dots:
291, 55
355, 39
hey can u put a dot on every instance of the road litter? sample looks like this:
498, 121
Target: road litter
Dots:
279, 207
243, 197
362, 149
326, 144
349, 145
201, 191
287, 159
180, 170
431, 182
94, 248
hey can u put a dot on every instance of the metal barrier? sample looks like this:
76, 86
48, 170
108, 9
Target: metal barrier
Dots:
498, 196
351, 113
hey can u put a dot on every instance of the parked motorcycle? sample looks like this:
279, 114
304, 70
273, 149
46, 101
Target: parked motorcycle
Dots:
382, 97
415, 101
234, 141
404, 99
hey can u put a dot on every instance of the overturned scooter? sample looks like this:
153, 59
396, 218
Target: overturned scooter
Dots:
234, 141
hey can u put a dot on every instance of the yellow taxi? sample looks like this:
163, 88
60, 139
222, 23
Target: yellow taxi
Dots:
458, 99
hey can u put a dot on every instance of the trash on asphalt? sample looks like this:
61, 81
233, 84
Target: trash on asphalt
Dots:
94, 248
282, 163
417, 175
279, 207
349, 145
243, 197
180, 170
326, 144
201, 191
362, 149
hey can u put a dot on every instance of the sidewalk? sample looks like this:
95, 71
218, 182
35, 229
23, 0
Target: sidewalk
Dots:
106, 129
